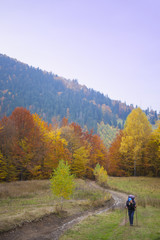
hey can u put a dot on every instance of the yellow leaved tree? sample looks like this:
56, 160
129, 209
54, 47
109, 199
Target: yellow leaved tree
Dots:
100, 175
54, 146
62, 181
136, 133
80, 160
153, 153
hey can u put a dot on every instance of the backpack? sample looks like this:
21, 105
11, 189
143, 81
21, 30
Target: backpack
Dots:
133, 200
132, 197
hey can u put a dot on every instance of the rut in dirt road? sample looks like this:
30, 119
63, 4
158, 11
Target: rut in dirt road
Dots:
52, 227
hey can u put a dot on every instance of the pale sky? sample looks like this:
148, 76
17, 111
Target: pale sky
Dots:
112, 46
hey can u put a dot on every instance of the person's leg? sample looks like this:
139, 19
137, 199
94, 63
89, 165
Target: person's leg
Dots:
132, 215
129, 214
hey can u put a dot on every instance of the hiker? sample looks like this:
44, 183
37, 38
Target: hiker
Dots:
131, 205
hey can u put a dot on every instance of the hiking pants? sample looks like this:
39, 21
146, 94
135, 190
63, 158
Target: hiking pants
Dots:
131, 214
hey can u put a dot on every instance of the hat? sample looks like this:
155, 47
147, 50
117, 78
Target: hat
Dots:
129, 199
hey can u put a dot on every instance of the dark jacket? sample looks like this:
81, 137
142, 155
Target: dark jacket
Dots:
131, 205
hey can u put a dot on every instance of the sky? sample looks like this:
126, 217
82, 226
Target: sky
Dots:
112, 46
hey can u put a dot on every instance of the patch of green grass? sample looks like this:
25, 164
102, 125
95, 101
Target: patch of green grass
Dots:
94, 227
146, 189
91, 193
110, 226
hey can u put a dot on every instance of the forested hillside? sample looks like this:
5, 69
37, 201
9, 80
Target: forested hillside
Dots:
55, 97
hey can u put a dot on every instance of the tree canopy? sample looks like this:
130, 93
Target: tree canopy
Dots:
30, 148
135, 136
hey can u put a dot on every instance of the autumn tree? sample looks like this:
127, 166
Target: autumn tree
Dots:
78, 147
23, 122
152, 153
101, 175
26, 142
73, 139
80, 161
135, 136
64, 122
8, 139
54, 146
3, 168
8, 136
62, 182
115, 159
98, 153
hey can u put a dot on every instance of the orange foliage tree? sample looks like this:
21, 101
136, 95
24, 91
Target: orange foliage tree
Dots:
115, 161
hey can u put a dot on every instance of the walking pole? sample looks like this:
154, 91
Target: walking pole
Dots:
126, 217
136, 218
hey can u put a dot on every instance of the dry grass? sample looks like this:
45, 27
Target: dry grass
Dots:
23, 189
24, 202
31, 200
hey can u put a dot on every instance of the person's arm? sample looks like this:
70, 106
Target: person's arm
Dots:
134, 205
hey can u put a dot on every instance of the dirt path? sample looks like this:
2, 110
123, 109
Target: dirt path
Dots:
52, 226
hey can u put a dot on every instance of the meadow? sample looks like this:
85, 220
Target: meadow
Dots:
146, 189
112, 225
27, 201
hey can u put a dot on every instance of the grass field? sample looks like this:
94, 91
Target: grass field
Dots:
31, 200
108, 226
112, 225
146, 190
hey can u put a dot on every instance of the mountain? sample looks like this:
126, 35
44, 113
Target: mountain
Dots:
52, 97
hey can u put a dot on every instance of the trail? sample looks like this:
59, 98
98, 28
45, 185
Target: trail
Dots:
52, 226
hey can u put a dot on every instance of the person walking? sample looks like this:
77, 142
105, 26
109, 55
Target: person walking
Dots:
131, 205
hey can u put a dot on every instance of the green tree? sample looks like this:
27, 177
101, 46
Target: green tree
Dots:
107, 133
62, 182
135, 136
